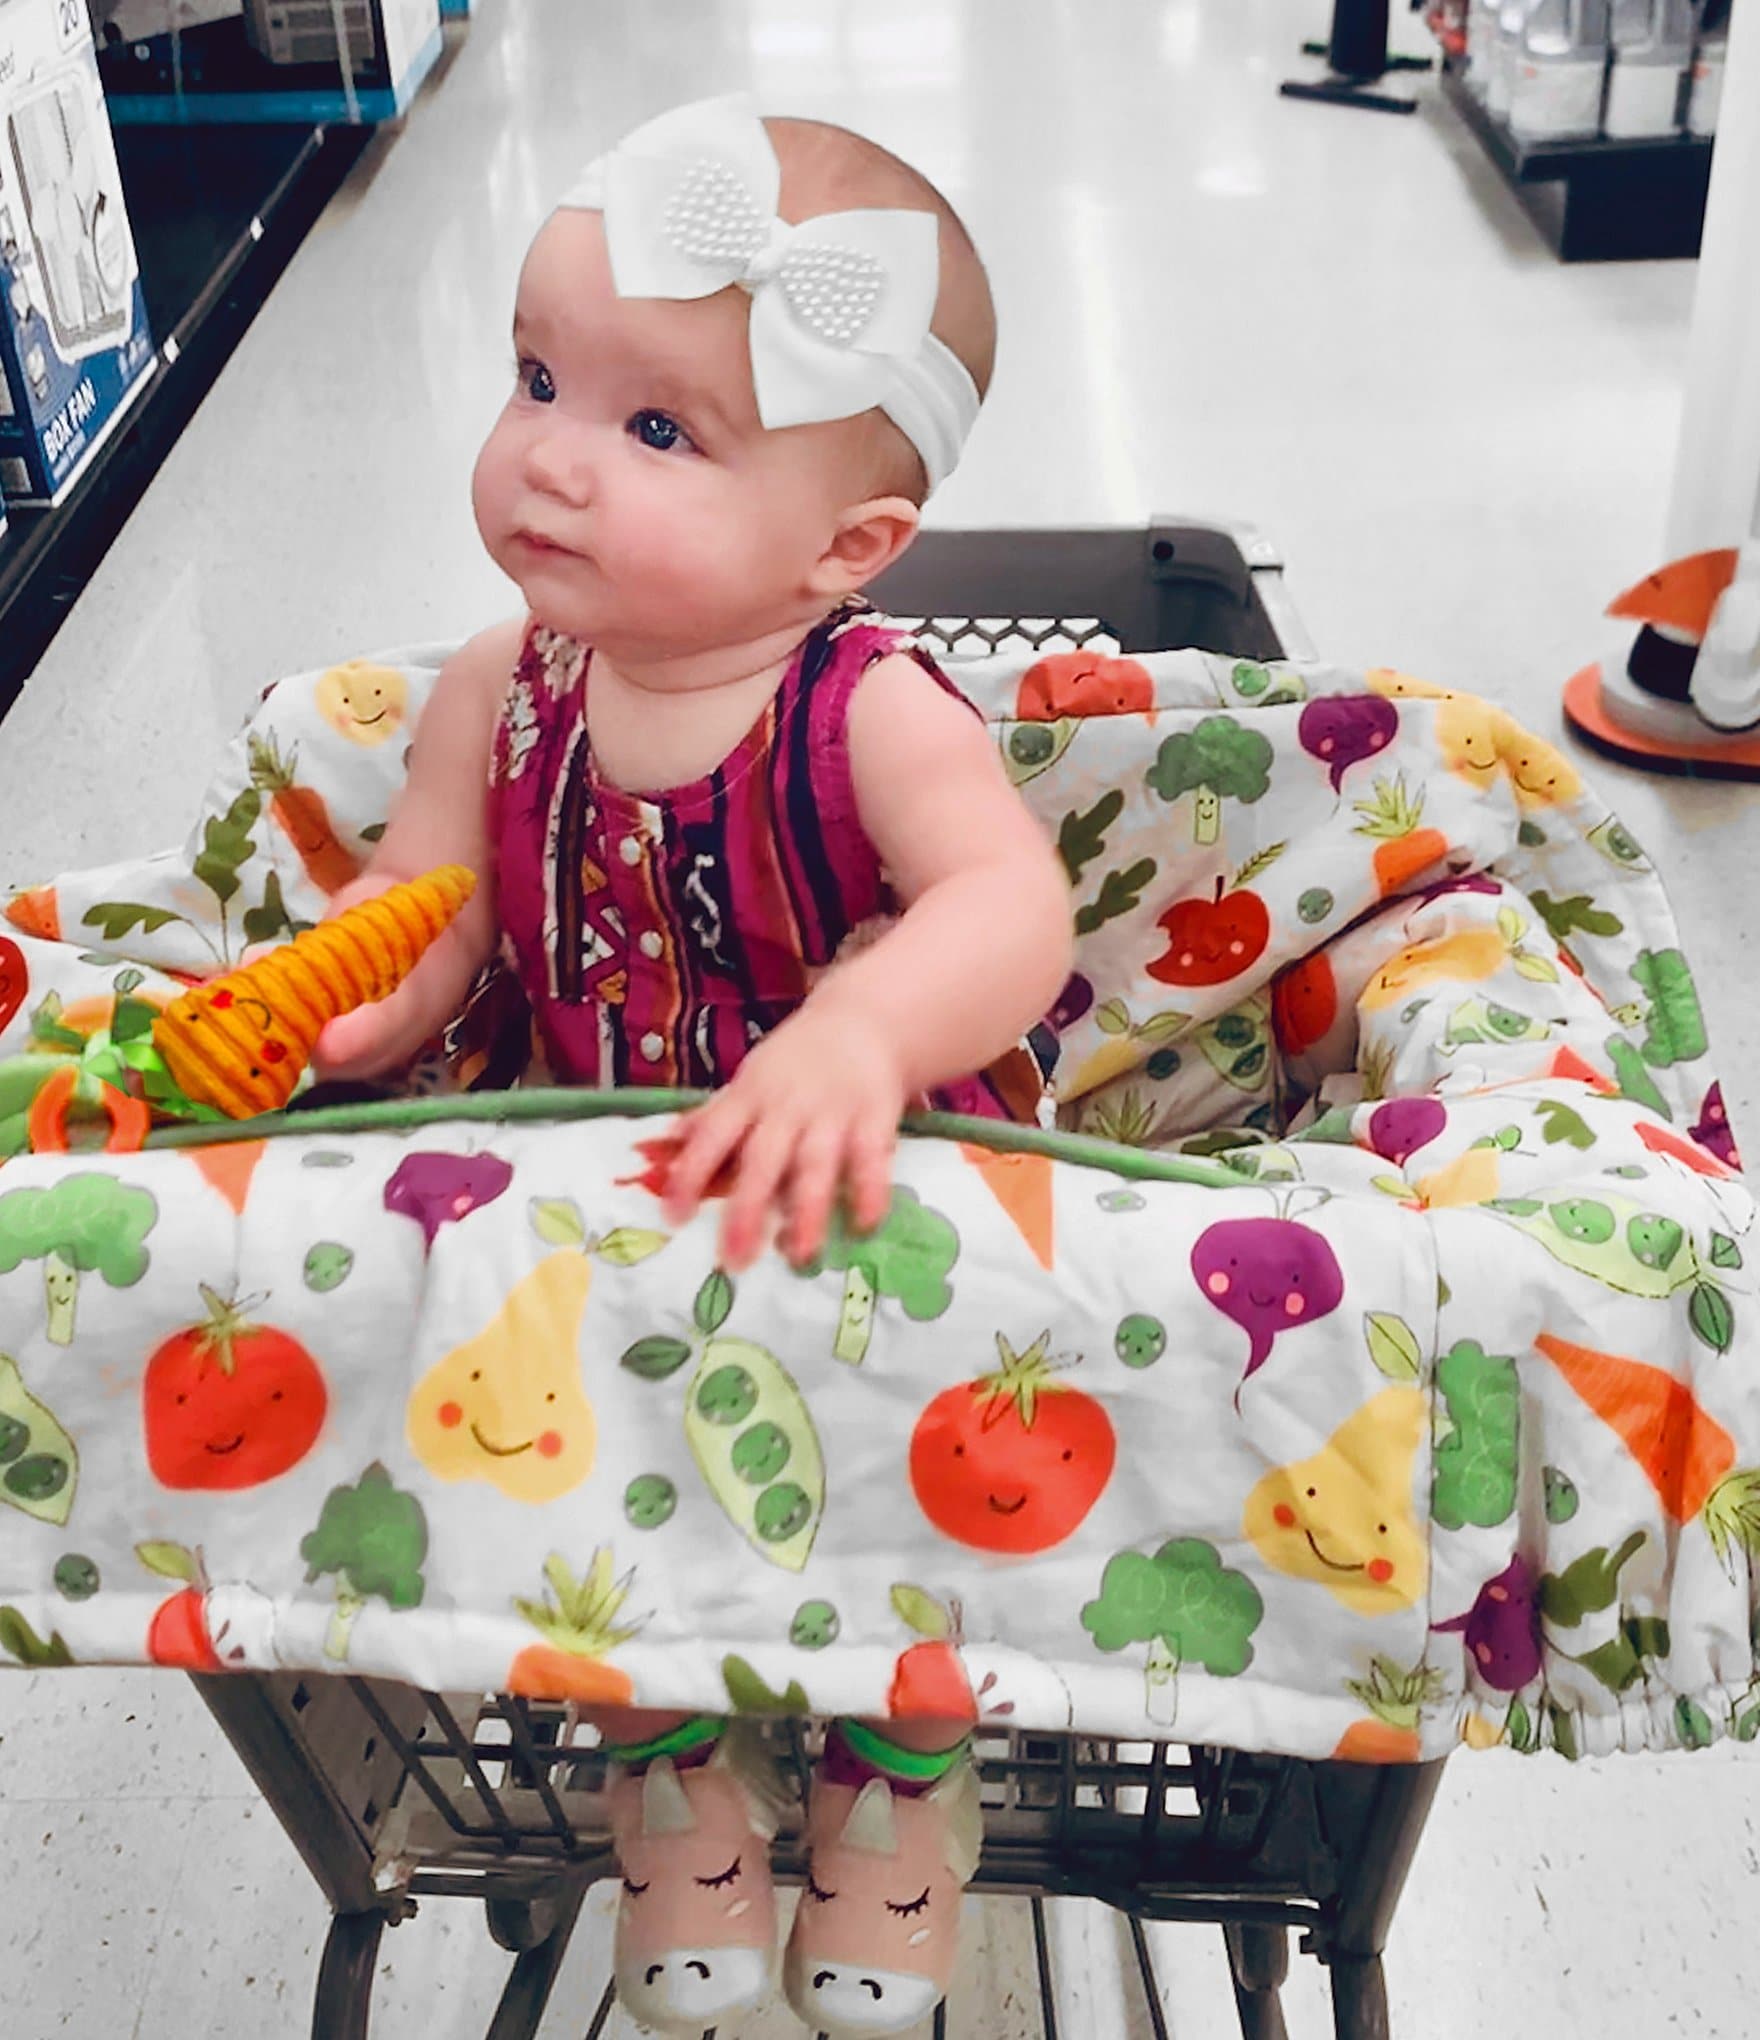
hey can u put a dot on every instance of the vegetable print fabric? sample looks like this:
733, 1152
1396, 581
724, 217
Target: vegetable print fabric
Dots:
1436, 1417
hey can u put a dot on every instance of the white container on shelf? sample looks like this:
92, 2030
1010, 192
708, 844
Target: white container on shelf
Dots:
1652, 49
1705, 85
1560, 71
1481, 45
1501, 79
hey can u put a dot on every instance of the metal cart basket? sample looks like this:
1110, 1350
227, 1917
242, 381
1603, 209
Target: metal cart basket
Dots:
392, 1795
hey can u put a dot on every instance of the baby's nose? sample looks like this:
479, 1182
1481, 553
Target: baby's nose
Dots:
558, 465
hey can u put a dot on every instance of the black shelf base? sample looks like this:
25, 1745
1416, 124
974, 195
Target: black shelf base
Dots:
1598, 201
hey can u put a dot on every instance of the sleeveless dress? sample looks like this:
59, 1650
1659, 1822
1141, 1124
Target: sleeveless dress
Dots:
659, 936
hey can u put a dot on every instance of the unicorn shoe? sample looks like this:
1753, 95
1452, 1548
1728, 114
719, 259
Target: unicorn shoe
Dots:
696, 1923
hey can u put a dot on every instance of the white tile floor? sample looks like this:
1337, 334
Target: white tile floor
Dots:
1335, 324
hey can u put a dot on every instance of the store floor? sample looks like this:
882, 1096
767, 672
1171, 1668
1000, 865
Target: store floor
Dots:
1214, 301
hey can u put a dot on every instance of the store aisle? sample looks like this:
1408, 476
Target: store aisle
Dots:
1336, 325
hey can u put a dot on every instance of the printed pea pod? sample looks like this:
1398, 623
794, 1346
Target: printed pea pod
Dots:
748, 1429
755, 1446
1611, 1239
39, 1468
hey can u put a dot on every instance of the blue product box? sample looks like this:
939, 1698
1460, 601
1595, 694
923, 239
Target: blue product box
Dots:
457, 10
75, 350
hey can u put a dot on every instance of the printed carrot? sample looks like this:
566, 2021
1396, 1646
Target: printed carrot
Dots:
239, 1042
1661, 1141
1021, 1184
229, 1166
37, 912
1683, 1452
300, 810
1403, 850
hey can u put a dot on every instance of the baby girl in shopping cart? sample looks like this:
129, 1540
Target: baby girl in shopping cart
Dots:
741, 836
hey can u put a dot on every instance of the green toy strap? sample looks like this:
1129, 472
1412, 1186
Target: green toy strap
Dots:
1136, 1165
919, 1766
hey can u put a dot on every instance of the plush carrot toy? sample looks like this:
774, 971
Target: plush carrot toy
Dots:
239, 1042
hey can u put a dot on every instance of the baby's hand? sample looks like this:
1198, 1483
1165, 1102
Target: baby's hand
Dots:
811, 1113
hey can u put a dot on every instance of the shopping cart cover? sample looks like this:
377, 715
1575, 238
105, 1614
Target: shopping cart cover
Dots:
1371, 1364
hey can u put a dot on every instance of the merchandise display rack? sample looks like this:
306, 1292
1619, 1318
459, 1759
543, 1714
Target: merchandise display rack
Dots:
1598, 201
217, 213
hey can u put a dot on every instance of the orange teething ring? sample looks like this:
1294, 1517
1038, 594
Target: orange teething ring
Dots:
46, 1122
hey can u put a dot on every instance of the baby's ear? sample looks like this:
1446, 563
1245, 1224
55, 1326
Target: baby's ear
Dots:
868, 538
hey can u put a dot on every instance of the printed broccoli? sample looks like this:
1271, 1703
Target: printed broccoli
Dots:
1185, 1605
1219, 759
374, 1538
1676, 1031
1475, 1463
84, 1222
908, 1257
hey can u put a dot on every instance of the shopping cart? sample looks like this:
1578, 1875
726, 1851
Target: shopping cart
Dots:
393, 1795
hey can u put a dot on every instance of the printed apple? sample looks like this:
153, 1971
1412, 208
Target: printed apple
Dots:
1210, 941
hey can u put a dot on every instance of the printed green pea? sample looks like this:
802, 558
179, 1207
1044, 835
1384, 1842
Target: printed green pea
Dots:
76, 1577
728, 1396
783, 1511
1140, 1341
328, 1266
815, 1625
649, 1500
760, 1453
1315, 904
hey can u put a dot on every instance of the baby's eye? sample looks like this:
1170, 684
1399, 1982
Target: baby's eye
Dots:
535, 379
658, 430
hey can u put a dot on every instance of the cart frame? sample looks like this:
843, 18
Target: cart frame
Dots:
392, 1795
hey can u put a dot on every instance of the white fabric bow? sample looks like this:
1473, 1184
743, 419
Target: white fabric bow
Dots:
841, 303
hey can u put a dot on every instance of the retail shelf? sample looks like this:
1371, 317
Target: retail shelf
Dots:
217, 213
1598, 201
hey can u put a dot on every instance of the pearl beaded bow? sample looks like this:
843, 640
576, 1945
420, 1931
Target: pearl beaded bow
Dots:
841, 304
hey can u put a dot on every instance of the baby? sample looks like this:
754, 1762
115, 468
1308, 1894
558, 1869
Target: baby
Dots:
734, 834
737, 835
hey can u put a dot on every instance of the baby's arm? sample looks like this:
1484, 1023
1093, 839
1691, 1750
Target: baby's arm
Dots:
440, 818
978, 957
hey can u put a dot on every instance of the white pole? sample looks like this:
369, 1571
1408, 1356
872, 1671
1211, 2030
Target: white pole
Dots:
1716, 499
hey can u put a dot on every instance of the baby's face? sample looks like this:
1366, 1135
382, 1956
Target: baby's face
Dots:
628, 487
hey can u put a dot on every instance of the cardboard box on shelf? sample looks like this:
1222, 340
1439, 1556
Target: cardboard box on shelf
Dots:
174, 62
74, 344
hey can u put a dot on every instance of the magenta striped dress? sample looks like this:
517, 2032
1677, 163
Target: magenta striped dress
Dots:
658, 936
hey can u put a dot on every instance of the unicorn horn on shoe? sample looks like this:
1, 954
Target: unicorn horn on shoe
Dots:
239, 1042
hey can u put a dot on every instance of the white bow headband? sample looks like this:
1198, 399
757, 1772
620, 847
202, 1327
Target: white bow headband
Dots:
840, 304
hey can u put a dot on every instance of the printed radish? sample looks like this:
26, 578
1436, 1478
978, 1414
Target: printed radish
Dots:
1399, 1128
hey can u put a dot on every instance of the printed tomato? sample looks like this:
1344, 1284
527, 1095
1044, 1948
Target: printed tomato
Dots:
1013, 1461
230, 1404
179, 1634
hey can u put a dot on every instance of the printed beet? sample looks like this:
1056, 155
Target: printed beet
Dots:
1403, 1125
1502, 1628
434, 1188
1342, 733
1267, 1275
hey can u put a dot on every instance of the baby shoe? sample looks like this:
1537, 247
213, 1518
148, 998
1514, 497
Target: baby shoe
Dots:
894, 1836
693, 1813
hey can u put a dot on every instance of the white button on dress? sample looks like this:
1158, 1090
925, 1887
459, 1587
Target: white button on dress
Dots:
651, 1047
651, 944
630, 850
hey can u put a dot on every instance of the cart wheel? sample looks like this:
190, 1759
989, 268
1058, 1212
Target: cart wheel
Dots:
1359, 1998
345, 1978
519, 1924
